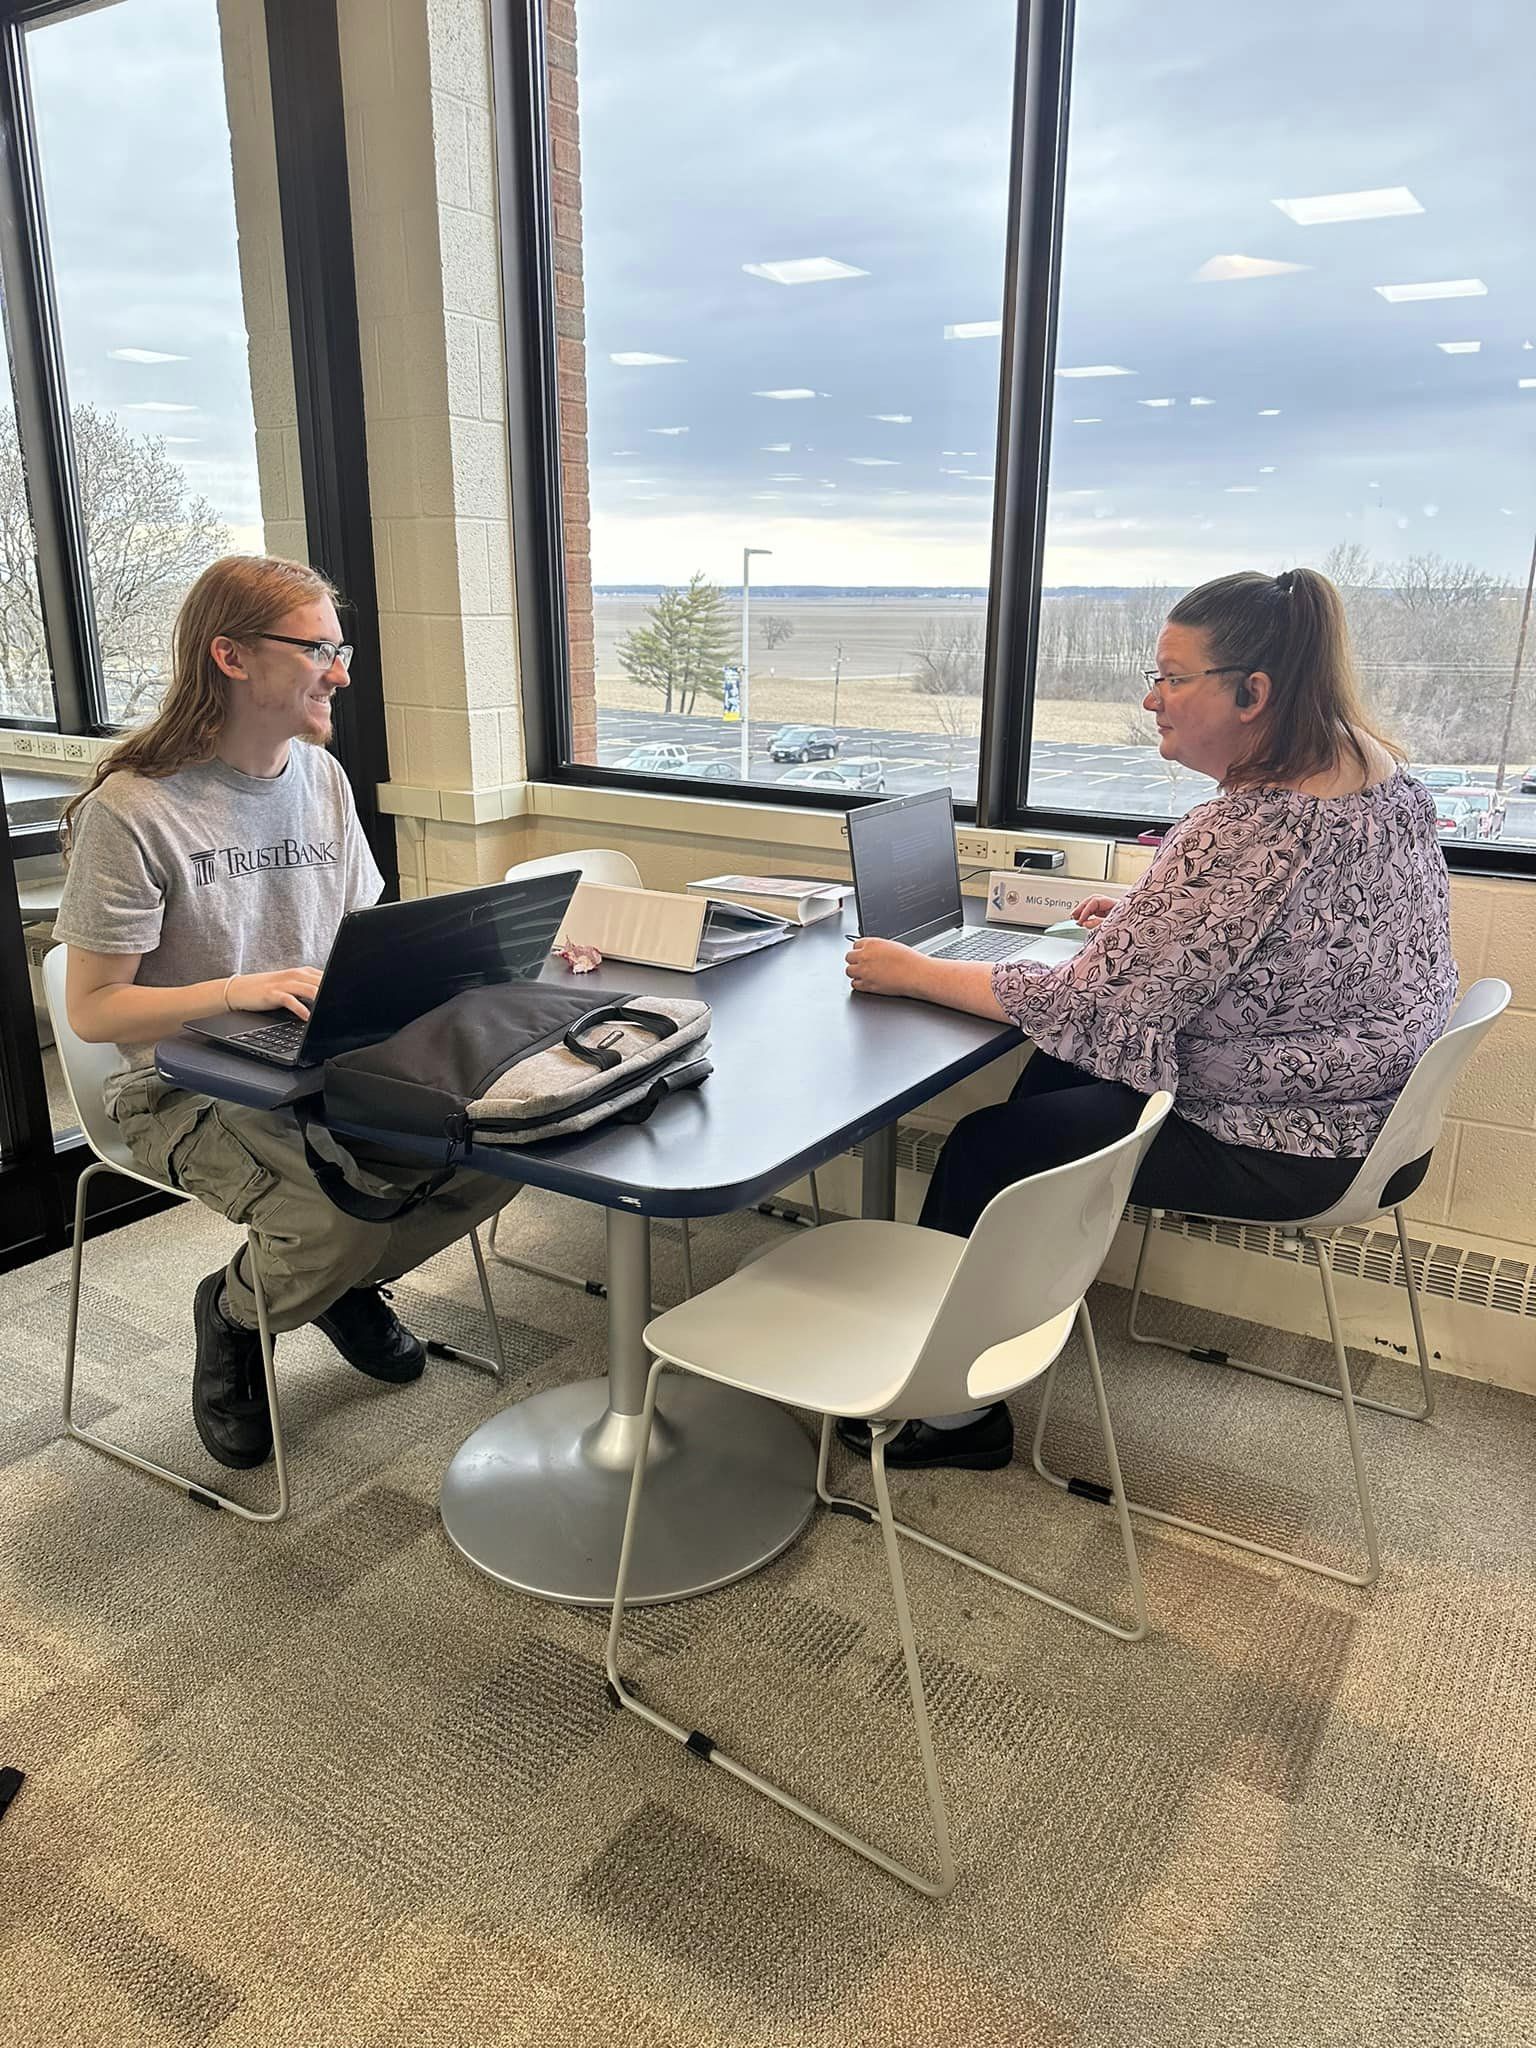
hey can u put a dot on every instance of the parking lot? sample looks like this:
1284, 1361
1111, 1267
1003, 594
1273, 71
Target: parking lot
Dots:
1110, 781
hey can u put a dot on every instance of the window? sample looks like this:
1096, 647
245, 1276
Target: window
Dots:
1264, 301
1297, 325
780, 423
134, 146
155, 422
26, 673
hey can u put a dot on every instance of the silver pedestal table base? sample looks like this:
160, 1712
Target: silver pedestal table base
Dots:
536, 1497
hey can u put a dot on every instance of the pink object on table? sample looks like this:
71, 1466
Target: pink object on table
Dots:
580, 959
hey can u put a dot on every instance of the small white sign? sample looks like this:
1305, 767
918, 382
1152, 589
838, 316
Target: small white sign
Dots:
1025, 896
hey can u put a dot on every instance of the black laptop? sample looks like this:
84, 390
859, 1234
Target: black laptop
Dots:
393, 963
906, 877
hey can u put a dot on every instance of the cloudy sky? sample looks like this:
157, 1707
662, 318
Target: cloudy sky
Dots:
1275, 402
868, 140
134, 140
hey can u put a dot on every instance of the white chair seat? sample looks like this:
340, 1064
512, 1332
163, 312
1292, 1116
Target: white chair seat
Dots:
1409, 1134
887, 1321
842, 1311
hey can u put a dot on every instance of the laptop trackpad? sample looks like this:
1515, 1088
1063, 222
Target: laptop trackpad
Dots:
1052, 952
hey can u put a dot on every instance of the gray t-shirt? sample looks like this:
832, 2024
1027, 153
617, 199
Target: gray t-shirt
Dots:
210, 872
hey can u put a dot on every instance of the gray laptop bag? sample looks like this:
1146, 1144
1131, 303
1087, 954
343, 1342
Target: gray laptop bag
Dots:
509, 1065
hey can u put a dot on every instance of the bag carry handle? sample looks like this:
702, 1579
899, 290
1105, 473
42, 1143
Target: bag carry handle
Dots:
663, 1086
603, 1057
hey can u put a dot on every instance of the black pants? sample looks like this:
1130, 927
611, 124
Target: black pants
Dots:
1058, 1113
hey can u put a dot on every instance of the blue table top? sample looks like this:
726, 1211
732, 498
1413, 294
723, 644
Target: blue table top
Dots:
803, 1068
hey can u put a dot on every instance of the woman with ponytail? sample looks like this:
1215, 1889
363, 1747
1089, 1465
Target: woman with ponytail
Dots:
1281, 966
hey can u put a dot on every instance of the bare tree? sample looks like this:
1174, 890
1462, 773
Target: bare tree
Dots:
147, 537
948, 664
957, 714
774, 630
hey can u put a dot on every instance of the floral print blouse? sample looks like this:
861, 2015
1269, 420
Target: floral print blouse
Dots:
1281, 966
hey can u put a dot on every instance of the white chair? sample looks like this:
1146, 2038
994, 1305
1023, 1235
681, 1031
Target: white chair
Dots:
596, 864
883, 1322
1412, 1129
86, 1068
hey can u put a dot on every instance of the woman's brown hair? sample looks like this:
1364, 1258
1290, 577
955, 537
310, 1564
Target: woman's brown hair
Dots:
1292, 627
239, 597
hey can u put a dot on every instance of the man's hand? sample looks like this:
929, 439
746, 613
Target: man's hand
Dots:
288, 988
884, 967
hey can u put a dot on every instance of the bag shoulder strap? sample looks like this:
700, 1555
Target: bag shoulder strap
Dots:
339, 1191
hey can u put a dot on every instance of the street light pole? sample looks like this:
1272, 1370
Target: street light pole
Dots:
746, 654
1514, 685
837, 677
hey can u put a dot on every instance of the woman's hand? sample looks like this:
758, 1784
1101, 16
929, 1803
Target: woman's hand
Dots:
1092, 911
288, 988
884, 967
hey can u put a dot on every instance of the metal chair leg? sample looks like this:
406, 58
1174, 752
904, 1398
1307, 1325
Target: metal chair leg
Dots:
598, 1289
205, 1496
687, 1260
1209, 1355
436, 1348
700, 1745
1112, 1495
1351, 1403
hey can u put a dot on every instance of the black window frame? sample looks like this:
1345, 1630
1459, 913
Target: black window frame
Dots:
39, 1174
1041, 97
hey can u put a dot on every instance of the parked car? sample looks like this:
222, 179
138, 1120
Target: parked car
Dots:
717, 771
1528, 782
1439, 778
663, 758
1487, 812
1453, 818
860, 773
803, 743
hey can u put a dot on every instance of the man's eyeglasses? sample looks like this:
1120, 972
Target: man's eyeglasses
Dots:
321, 652
1156, 681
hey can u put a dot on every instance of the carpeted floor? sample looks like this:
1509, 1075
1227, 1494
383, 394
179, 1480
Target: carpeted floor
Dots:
324, 1784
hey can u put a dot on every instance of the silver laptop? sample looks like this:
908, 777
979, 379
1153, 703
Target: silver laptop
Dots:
906, 877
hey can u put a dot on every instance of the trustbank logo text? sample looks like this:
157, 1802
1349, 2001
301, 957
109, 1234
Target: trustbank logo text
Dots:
224, 863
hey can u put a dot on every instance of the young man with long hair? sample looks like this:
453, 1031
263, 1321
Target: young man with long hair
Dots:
211, 860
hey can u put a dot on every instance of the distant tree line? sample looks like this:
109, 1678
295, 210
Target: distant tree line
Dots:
1434, 641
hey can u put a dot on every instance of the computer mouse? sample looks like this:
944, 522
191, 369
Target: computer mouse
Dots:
1067, 929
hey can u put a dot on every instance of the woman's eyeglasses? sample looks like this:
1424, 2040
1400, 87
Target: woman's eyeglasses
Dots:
1154, 680
321, 652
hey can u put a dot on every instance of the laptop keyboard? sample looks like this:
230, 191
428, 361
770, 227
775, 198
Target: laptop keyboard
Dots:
981, 945
279, 1041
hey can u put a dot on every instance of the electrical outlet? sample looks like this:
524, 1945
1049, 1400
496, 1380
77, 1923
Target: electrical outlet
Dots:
22, 743
974, 848
76, 750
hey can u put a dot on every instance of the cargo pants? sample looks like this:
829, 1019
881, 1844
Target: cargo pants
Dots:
249, 1165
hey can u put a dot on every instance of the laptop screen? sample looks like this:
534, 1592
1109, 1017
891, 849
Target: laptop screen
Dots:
393, 963
905, 873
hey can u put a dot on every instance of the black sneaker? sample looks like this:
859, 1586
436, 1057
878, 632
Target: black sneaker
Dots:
369, 1335
229, 1388
984, 1445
